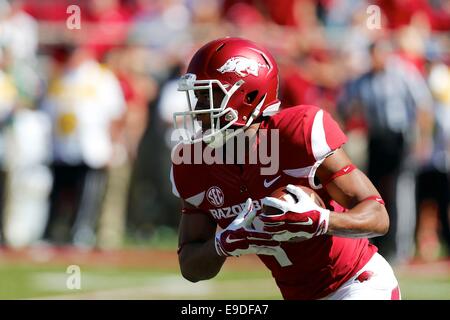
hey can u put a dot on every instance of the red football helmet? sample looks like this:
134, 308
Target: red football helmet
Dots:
246, 74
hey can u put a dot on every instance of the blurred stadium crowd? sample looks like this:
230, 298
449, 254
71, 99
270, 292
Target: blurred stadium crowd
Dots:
85, 113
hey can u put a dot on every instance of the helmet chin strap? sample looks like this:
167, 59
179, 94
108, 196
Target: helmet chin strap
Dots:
224, 137
255, 112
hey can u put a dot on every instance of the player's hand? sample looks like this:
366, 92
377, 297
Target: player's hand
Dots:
302, 219
240, 238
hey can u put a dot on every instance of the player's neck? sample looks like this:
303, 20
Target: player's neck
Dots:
233, 151
253, 129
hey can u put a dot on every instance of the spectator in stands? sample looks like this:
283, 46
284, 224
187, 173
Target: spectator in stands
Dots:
26, 133
395, 102
139, 90
84, 101
433, 180
8, 101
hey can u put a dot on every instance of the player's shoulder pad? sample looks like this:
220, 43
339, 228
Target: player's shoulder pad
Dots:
308, 127
290, 118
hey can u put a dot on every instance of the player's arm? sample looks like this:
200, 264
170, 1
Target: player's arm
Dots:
202, 250
367, 216
197, 255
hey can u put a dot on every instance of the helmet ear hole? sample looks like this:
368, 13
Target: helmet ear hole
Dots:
251, 96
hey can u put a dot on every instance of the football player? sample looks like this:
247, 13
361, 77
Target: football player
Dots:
232, 83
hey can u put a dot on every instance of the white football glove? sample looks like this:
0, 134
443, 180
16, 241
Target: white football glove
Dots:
240, 238
302, 219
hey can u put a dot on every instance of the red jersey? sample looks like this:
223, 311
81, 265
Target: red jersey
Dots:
310, 269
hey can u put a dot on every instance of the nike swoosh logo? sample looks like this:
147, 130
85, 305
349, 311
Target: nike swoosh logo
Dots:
271, 182
228, 240
346, 169
305, 223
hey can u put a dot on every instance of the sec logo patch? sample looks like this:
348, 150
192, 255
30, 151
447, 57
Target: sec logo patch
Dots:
215, 196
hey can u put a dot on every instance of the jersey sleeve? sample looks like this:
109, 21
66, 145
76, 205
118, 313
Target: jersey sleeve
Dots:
324, 136
308, 135
174, 186
307, 132
188, 184
181, 171
182, 188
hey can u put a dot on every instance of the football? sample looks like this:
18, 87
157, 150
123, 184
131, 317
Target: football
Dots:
283, 194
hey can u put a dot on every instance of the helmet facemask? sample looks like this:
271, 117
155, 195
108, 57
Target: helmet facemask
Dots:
221, 118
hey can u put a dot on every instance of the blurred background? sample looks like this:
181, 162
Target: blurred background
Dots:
87, 92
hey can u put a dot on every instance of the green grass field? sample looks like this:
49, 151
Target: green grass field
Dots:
31, 280
24, 282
